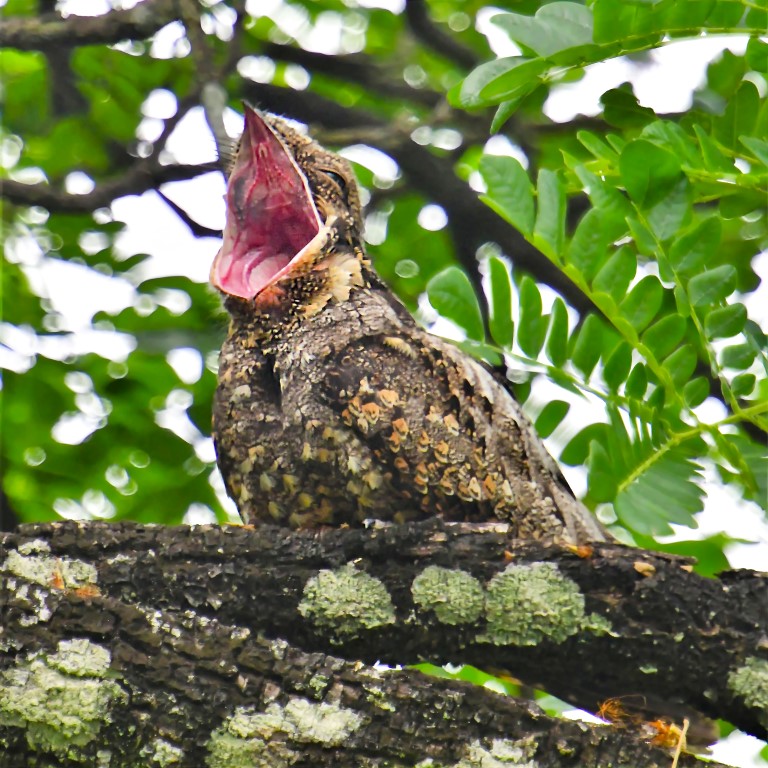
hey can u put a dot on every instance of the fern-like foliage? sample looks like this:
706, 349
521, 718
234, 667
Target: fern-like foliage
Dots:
677, 213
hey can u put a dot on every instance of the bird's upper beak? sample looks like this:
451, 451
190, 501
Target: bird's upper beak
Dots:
271, 215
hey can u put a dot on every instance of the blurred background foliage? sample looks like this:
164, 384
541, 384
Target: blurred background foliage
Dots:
606, 260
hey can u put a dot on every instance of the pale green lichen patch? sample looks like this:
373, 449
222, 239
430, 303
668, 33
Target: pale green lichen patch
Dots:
503, 753
32, 561
162, 754
526, 604
598, 625
252, 739
62, 700
750, 681
376, 696
80, 658
455, 596
347, 601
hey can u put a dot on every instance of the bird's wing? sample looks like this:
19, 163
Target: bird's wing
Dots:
448, 432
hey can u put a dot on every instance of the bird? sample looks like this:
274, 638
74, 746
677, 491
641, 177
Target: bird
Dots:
333, 407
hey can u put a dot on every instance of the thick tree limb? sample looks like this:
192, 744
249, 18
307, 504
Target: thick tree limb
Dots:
116, 622
86, 672
586, 626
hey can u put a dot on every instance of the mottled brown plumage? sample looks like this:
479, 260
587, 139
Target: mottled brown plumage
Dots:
333, 405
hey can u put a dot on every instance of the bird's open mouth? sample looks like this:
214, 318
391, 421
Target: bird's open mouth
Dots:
271, 216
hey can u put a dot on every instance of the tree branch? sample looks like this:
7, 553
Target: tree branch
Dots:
143, 176
197, 229
30, 33
356, 68
104, 624
435, 38
597, 624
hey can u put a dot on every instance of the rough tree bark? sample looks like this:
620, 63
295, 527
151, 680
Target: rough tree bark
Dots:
142, 645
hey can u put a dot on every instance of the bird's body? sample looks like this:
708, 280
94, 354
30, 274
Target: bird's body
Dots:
333, 405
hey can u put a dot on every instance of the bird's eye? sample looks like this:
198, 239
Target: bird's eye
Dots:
337, 179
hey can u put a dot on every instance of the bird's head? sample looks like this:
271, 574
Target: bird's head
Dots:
292, 239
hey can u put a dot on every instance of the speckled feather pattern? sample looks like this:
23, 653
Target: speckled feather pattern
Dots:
334, 407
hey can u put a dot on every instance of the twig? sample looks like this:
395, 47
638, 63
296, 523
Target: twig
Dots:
197, 229
680, 742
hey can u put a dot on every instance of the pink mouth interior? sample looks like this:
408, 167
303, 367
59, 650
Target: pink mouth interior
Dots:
270, 213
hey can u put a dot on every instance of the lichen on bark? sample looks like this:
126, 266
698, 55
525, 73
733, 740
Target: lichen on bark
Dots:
454, 595
346, 602
61, 699
526, 604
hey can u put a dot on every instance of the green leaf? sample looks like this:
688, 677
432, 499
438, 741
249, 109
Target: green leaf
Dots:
668, 216
696, 391
681, 364
510, 193
616, 20
549, 232
617, 366
643, 302
742, 203
637, 382
613, 206
714, 158
738, 356
757, 17
725, 73
587, 249
752, 458
532, 327
757, 147
681, 301
725, 322
557, 340
481, 351
708, 554
576, 451
663, 336
556, 27
500, 323
696, 248
589, 345
757, 54
451, 294
550, 417
743, 384
602, 478
665, 493
712, 286
496, 81
648, 172
739, 117
599, 148
643, 237
682, 144
616, 274
622, 110
505, 111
